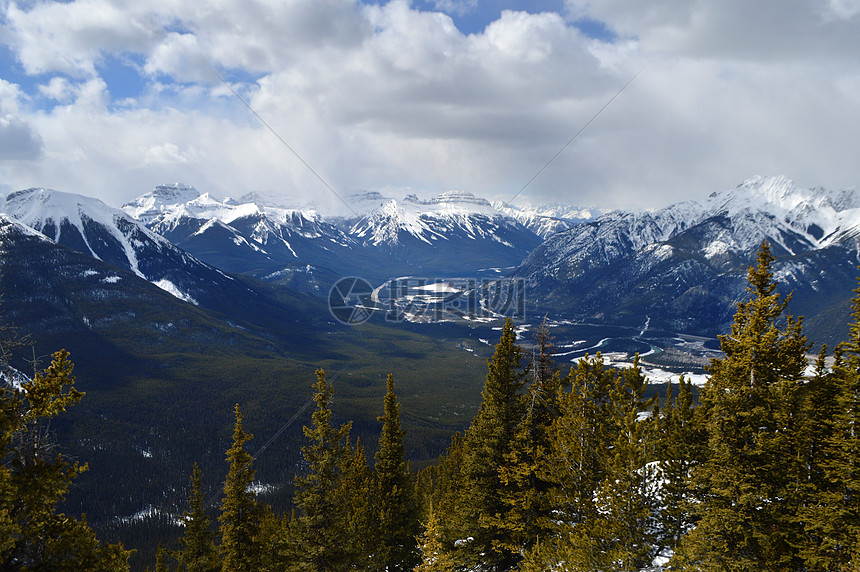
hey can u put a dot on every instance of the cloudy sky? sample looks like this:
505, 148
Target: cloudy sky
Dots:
111, 97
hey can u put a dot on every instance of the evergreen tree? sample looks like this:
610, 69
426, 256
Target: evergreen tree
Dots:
542, 369
435, 550
240, 514
602, 504
160, 566
485, 446
525, 494
834, 519
747, 487
682, 444
626, 500
272, 541
319, 531
34, 479
440, 487
575, 467
198, 552
395, 495
358, 499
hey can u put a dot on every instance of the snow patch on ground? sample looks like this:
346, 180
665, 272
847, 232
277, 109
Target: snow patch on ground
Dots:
258, 488
171, 288
148, 513
655, 374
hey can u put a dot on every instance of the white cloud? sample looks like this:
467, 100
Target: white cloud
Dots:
388, 96
59, 89
844, 9
10, 97
167, 153
70, 37
18, 141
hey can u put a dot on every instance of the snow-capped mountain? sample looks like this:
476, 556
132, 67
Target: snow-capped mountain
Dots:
685, 265
90, 226
548, 219
67, 289
98, 273
252, 235
454, 232
110, 236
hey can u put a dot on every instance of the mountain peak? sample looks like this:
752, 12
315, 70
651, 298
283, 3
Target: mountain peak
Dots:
39, 205
175, 193
162, 198
777, 190
458, 198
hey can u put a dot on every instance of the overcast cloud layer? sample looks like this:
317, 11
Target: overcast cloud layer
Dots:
111, 97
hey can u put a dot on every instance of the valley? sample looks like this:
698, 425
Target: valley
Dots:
180, 306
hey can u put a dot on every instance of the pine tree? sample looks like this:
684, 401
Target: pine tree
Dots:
542, 369
575, 467
485, 445
435, 549
525, 494
34, 479
682, 445
198, 552
747, 500
272, 541
834, 519
160, 566
602, 502
358, 499
626, 499
395, 494
318, 532
240, 514
440, 487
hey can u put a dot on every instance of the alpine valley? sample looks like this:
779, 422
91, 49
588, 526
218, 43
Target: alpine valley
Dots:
181, 304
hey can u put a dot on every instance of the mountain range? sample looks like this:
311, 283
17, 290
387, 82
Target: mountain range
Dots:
453, 233
684, 266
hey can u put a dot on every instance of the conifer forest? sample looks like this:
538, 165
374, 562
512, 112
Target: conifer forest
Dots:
756, 470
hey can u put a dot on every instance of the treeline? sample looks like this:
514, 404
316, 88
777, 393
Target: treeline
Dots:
574, 471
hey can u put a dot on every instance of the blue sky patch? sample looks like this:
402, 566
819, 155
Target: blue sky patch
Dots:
123, 75
473, 17
596, 29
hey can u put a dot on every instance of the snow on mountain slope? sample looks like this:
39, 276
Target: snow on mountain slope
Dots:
685, 265
453, 233
443, 217
453, 230
107, 234
82, 223
774, 208
9, 225
548, 219
168, 207
254, 235
148, 206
